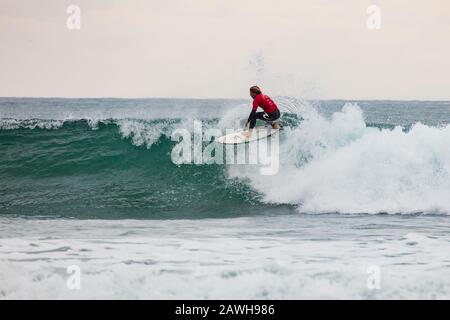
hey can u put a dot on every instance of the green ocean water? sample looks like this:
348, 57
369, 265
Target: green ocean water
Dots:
111, 158
79, 172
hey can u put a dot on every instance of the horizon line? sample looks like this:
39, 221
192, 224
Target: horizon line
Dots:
242, 98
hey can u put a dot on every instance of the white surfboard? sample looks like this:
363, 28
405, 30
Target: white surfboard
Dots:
239, 136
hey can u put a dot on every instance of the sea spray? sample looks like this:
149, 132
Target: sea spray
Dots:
340, 165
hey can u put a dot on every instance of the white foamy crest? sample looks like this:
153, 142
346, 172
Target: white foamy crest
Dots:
13, 124
142, 132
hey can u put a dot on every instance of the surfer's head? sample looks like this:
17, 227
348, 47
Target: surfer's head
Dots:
254, 91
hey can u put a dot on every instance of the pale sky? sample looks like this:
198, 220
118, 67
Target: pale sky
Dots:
316, 49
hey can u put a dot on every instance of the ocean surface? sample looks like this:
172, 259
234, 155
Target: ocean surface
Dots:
359, 208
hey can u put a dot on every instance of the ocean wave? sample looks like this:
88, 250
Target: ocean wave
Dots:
327, 164
341, 165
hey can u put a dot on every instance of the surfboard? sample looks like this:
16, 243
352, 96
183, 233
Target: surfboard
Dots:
238, 136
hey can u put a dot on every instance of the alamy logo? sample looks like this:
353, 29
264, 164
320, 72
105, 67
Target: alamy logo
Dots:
199, 147
374, 279
74, 19
374, 19
74, 280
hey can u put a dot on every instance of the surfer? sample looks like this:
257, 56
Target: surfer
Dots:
271, 113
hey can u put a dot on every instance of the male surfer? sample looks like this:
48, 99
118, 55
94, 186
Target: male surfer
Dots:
271, 113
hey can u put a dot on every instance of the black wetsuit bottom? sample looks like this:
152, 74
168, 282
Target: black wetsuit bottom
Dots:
268, 117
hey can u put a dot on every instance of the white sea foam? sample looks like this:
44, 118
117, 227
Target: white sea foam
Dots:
141, 132
285, 257
341, 165
12, 124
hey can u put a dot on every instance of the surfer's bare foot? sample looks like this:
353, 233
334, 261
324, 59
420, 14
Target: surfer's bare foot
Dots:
247, 134
275, 126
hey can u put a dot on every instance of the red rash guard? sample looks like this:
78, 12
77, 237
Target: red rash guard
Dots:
263, 101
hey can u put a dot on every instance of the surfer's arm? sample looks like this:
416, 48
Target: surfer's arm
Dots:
250, 117
253, 112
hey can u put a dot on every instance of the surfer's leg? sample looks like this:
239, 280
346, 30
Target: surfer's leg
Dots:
258, 115
272, 118
276, 121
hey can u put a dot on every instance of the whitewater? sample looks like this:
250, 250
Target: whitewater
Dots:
359, 207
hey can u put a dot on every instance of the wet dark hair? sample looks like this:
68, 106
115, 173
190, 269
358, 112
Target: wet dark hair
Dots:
255, 89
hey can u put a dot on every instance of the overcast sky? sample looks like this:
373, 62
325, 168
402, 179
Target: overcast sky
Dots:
319, 49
